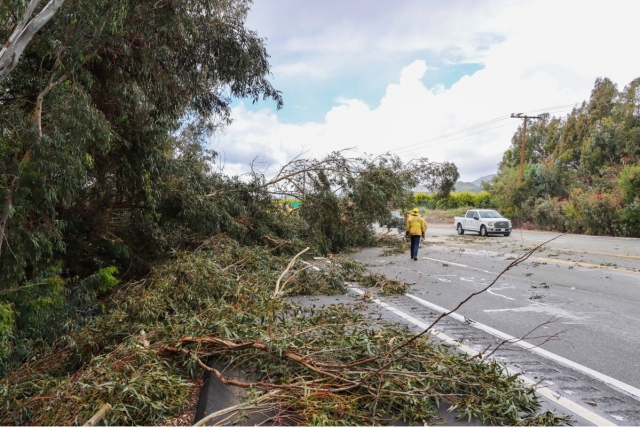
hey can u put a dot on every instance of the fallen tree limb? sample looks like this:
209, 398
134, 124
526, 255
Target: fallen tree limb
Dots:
291, 263
104, 410
291, 355
239, 407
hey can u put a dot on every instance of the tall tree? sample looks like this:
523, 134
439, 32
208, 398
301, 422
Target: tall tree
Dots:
89, 121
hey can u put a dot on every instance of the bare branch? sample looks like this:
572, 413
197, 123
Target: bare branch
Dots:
514, 263
104, 410
291, 263
235, 408
21, 288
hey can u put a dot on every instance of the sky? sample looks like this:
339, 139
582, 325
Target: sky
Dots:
436, 79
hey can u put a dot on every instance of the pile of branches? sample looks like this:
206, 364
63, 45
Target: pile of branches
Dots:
332, 365
384, 285
393, 245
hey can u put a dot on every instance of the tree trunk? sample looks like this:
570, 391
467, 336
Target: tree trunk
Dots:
23, 33
4, 217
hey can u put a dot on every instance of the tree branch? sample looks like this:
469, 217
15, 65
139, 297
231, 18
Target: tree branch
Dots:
291, 263
4, 217
23, 33
21, 288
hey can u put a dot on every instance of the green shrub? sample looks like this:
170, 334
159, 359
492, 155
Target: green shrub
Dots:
592, 213
463, 199
549, 213
483, 200
7, 322
627, 221
630, 182
425, 200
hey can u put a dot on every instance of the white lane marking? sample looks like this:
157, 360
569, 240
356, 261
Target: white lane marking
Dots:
444, 280
468, 279
516, 341
542, 308
446, 262
475, 268
500, 295
544, 391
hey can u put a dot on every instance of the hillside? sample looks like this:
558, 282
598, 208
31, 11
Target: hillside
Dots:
473, 186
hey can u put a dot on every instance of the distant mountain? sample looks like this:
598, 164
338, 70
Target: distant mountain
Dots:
471, 187
479, 181
467, 186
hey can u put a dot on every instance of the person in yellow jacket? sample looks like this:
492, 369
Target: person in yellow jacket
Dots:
416, 227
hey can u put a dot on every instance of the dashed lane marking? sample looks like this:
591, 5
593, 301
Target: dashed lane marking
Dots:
543, 391
500, 295
447, 262
473, 268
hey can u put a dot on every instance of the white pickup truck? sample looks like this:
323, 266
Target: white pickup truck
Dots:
482, 221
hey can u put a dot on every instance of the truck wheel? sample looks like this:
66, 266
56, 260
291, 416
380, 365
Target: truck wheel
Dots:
507, 234
460, 229
483, 231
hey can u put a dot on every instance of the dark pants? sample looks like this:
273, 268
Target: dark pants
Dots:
415, 242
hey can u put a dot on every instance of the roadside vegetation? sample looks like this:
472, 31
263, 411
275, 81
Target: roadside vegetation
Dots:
459, 200
582, 171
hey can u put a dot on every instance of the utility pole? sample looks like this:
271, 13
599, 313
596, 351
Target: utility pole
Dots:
524, 139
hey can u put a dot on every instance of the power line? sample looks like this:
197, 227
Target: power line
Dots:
409, 147
455, 133
561, 107
449, 140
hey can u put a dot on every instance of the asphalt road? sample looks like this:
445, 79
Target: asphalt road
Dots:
587, 287
580, 295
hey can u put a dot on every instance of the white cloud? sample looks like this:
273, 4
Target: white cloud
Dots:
535, 55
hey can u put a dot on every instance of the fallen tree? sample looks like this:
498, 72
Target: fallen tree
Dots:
330, 365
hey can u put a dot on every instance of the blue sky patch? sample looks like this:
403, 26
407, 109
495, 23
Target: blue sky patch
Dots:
308, 100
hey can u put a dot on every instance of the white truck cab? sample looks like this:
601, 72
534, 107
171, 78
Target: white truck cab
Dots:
482, 221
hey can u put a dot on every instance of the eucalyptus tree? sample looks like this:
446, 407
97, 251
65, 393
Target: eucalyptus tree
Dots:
23, 31
89, 119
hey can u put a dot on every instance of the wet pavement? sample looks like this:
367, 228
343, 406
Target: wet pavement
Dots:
575, 301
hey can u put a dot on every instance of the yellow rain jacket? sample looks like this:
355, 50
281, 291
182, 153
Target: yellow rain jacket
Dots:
416, 225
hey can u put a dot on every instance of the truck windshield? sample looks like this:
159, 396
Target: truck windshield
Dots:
490, 214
